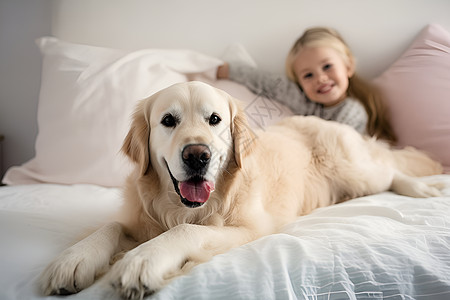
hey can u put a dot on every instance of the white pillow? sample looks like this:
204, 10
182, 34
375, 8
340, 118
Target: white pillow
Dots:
87, 97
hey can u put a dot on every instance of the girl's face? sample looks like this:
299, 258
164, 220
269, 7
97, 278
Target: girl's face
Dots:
322, 74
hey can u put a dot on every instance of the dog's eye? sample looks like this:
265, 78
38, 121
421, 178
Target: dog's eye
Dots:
169, 121
214, 119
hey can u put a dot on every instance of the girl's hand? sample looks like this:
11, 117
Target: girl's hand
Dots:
222, 71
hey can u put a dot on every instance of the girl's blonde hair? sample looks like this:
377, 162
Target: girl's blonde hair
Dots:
378, 124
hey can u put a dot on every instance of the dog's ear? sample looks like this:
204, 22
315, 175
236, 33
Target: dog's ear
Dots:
136, 143
243, 136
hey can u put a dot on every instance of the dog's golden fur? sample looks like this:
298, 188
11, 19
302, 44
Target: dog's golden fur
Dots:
263, 180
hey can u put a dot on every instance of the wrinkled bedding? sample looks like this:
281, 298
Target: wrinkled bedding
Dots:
383, 246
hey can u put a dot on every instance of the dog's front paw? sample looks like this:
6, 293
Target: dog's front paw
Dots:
141, 272
71, 272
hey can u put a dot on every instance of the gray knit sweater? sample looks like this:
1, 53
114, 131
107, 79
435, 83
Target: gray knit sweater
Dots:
280, 88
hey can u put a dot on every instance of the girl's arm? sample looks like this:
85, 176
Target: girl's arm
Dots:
269, 85
354, 114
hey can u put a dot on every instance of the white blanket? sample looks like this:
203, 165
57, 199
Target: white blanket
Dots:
383, 246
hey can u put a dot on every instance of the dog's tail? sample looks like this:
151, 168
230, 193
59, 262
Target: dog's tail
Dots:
413, 162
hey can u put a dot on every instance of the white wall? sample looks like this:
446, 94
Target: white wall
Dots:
377, 31
21, 21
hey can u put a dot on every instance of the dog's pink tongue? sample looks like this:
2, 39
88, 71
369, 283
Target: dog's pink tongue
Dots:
196, 191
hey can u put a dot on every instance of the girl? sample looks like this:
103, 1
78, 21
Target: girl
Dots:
321, 82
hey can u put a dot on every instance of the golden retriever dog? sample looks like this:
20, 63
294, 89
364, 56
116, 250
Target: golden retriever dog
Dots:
205, 182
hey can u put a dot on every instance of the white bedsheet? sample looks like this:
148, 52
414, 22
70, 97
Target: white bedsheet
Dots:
384, 246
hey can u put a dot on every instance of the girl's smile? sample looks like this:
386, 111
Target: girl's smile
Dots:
323, 89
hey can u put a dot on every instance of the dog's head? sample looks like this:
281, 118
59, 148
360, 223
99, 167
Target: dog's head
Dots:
189, 134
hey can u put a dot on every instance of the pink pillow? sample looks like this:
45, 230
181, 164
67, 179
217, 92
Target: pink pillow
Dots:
417, 89
86, 100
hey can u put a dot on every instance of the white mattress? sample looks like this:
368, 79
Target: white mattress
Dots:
377, 247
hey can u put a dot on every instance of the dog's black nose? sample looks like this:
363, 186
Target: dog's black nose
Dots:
196, 157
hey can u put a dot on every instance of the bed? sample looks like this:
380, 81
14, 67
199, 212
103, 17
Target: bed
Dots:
383, 246
376, 247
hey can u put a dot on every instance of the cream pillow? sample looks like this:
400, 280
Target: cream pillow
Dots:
87, 97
